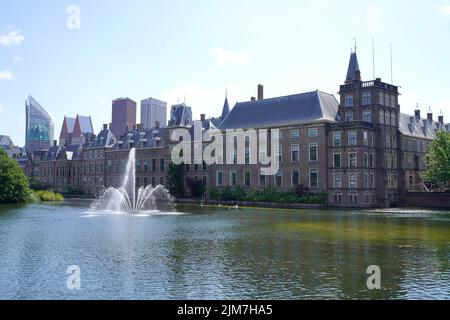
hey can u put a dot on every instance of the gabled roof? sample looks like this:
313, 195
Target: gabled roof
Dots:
52, 153
420, 128
353, 66
83, 125
282, 111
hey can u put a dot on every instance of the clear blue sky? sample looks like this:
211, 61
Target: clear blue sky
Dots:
195, 49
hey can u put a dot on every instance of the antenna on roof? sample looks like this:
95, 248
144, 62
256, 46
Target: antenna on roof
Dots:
373, 56
392, 73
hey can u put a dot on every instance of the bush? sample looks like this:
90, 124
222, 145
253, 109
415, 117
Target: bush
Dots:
14, 184
47, 196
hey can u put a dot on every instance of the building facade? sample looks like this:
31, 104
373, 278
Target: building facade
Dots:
39, 127
153, 113
123, 116
359, 149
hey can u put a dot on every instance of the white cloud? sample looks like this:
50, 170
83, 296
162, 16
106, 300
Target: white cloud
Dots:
223, 56
6, 75
17, 59
11, 37
445, 9
374, 17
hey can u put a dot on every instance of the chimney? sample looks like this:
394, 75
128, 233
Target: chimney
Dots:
441, 118
55, 143
417, 112
260, 92
105, 126
202, 117
253, 99
157, 124
430, 115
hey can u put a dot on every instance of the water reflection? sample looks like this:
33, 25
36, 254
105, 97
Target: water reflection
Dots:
215, 253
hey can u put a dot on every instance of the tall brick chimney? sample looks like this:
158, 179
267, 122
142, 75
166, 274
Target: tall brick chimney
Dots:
430, 115
417, 112
441, 118
260, 92
105, 126
202, 117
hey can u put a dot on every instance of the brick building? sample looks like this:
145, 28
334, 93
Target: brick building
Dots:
360, 149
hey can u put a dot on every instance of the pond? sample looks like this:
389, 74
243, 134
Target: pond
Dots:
221, 253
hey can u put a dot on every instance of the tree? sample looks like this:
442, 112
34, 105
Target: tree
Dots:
14, 185
175, 179
438, 159
196, 188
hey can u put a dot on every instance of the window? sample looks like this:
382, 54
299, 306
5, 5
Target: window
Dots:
366, 160
234, 155
337, 160
313, 152
349, 116
161, 164
295, 153
366, 138
337, 198
279, 154
387, 98
233, 181
138, 165
352, 160
262, 180
295, 134
367, 98
352, 138
366, 180
353, 181
219, 178
247, 178
154, 165
161, 181
279, 179
313, 178
353, 198
381, 116
367, 116
381, 98
372, 181
393, 101
349, 101
386, 117
295, 178
204, 180
313, 132
371, 139
153, 181
393, 118
247, 155
337, 180
336, 139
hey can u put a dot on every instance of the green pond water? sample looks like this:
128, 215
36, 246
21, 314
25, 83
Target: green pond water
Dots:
221, 253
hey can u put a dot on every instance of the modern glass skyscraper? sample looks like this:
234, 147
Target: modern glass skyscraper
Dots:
153, 113
39, 126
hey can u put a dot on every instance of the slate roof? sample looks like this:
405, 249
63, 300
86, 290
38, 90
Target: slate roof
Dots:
52, 153
144, 138
104, 139
225, 110
181, 115
420, 128
282, 111
353, 66
72, 151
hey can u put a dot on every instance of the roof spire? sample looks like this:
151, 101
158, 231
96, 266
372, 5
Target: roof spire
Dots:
226, 107
353, 72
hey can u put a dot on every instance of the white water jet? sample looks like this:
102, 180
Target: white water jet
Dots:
126, 199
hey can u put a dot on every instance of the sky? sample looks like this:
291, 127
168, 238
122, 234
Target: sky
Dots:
195, 50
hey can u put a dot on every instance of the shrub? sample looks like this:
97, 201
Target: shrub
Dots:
47, 196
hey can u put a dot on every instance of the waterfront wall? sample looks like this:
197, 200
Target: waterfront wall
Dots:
436, 200
252, 204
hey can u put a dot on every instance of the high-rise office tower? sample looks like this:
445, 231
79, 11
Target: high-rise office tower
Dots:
123, 116
39, 126
153, 113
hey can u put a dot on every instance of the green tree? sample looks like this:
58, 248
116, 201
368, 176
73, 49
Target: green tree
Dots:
196, 188
438, 159
175, 179
14, 185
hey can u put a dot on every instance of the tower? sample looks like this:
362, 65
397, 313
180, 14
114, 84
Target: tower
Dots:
367, 131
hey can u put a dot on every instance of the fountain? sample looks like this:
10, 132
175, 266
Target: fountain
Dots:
126, 199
